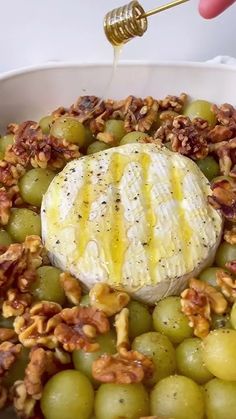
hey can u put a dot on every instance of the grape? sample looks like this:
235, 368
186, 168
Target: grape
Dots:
69, 129
220, 399
5, 238
17, 371
157, 347
219, 321
201, 109
34, 184
140, 319
177, 397
190, 362
6, 141
45, 123
209, 167
133, 137
219, 353
225, 253
233, 316
22, 223
209, 276
67, 395
97, 146
169, 320
116, 128
83, 360
128, 401
47, 285
85, 301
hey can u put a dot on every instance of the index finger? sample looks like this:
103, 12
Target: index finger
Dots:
212, 8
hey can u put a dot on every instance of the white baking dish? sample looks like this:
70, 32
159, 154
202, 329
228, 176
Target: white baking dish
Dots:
30, 93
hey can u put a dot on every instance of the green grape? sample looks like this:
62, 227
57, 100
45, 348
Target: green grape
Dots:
83, 360
133, 137
7, 322
209, 167
47, 285
225, 253
89, 138
67, 395
220, 397
128, 401
169, 320
140, 319
97, 146
219, 353
209, 276
85, 301
22, 223
17, 370
1, 154
45, 123
190, 362
177, 397
201, 109
157, 347
5, 238
5, 142
69, 129
233, 316
219, 321
116, 128
34, 184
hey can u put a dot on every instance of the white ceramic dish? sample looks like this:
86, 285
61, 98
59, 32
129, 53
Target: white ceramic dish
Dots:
31, 93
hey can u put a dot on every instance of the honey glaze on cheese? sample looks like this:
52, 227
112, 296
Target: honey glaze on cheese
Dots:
134, 215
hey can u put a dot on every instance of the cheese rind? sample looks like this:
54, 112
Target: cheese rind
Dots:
134, 216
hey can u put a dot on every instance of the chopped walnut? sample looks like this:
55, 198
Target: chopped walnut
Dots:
230, 234
107, 138
126, 367
3, 396
7, 335
198, 301
10, 173
226, 115
219, 133
122, 329
31, 146
87, 108
227, 284
41, 366
140, 114
19, 262
224, 198
110, 301
187, 137
62, 357
173, 103
37, 325
23, 403
16, 303
71, 287
226, 152
5, 206
71, 332
8, 355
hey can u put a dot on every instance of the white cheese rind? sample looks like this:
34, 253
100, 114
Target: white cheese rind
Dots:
134, 216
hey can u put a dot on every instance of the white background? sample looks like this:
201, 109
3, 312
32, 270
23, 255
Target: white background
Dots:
36, 31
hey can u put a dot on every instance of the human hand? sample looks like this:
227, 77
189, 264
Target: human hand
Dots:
212, 8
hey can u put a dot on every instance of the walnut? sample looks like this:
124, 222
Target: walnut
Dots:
122, 329
126, 367
62, 357
23, 403
219, 133
8, 355
87, 108
16, 303
41, 366
140, 114
37, 325
224, 198
31, 146
173, 103
19, 262
226, 115
71, 332
227, 284
7, 335
230, 234
187, 137
198, 301
107, 138
110, 301
226, 152
10, 173
5, 206
71, 287
3, 396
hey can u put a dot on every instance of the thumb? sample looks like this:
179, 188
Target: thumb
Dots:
212, 8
